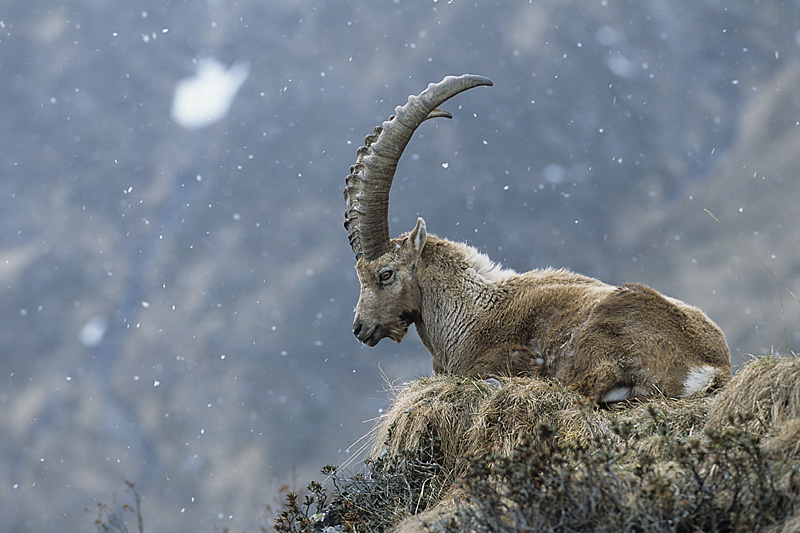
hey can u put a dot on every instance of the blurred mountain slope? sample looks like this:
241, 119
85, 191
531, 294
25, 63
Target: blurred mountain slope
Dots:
177, 304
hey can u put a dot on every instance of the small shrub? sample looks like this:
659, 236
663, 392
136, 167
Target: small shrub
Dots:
110, 518
298, 517
389, 488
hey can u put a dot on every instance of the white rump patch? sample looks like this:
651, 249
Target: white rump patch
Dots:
617, 394
623, 393
484, 266
699, 378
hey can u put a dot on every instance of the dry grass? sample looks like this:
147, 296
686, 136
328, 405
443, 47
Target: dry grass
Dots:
464, 450
765, 396
475, 418
441, 408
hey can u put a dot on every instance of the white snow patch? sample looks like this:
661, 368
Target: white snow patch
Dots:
622, 66
206, 97
93, 331
607, 36
554, 174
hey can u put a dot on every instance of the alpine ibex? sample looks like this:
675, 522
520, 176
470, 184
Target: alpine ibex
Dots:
477, 319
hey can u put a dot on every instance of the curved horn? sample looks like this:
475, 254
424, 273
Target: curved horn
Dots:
367, 190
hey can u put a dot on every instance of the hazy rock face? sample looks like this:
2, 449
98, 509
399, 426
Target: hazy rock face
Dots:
177, 303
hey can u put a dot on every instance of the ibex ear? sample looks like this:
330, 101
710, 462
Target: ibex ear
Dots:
417, 237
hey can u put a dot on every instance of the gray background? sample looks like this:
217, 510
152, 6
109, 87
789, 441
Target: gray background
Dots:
227, 366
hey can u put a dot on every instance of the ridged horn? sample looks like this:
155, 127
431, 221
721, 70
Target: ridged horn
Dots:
367, 189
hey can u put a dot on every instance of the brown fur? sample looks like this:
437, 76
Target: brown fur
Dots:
477, 320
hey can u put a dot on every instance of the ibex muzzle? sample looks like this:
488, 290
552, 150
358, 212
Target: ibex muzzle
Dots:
477, 319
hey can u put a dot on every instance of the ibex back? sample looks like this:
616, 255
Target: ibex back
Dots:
477, 319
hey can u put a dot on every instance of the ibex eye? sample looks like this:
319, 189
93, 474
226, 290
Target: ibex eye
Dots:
386, 275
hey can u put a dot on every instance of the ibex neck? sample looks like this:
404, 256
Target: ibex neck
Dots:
458, 286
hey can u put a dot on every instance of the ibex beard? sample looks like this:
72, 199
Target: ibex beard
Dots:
477, 319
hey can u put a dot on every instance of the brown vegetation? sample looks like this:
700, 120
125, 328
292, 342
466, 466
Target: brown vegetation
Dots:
492, 455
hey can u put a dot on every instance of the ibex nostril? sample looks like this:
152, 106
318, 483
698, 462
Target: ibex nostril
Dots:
356, 329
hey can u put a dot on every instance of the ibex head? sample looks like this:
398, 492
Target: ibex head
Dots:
390, 295
387, 268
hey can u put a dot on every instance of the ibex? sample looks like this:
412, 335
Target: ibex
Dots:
477, 319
